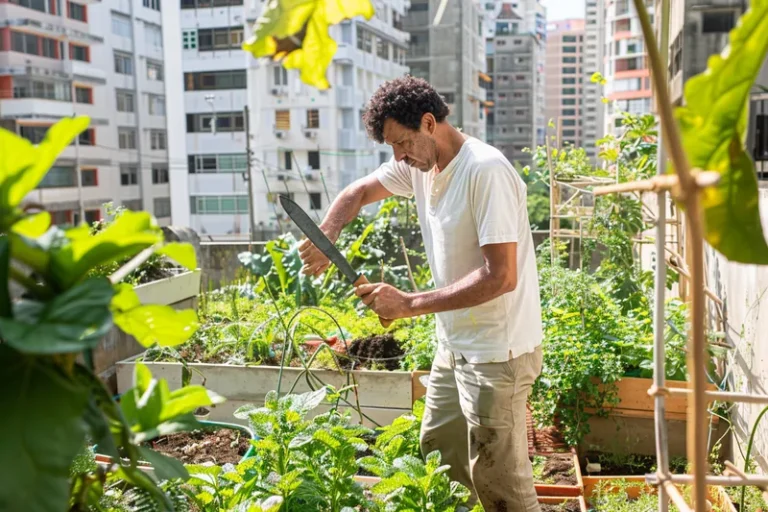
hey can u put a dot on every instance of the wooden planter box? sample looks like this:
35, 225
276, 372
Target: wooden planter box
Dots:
180, 291
563, 490
419, 388
383, 395
551, 500
717, 495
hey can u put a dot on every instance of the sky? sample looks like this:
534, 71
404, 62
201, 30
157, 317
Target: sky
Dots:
563, 9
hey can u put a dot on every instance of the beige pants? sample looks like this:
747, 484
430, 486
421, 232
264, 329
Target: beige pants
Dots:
475, 416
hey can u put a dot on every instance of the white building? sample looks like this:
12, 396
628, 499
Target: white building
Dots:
593, 51
309, 143
105, 60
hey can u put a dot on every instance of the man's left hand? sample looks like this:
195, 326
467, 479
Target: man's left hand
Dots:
385, 300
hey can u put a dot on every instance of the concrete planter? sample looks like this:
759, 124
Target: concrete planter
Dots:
179, 291
383, 395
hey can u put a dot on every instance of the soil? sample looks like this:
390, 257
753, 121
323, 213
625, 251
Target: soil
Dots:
558, 470
220, 446
568, 506
625, 465
377, 351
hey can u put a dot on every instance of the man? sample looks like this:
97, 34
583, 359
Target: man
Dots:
472, 210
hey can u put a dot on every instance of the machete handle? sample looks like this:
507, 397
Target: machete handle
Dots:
364, 280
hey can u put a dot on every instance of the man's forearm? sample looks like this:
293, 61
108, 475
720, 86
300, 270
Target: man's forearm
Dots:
343, 210
474, 289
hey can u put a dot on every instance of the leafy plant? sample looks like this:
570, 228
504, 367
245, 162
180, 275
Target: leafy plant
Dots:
297, 33
398, 439
64, 312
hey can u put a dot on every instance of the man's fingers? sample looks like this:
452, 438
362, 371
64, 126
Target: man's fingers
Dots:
368, 299
365, 289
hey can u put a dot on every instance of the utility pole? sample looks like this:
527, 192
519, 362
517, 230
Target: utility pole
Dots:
249, 178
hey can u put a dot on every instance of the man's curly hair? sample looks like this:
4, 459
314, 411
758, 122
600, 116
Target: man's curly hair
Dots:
405, 99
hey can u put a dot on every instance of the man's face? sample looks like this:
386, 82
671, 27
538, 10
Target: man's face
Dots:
416, 147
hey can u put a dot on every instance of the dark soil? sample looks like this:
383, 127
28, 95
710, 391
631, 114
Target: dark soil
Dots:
568, 506
377, 351
559, 469
219, 446
632, 465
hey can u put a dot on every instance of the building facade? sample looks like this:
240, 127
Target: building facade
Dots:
628, 87
62, 58
515, 38
564, 92
451, 56
308, 143
593, 124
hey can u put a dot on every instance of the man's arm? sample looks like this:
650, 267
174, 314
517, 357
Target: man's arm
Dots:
496, 277
343, 210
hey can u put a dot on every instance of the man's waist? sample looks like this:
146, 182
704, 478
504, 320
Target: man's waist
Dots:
480, 355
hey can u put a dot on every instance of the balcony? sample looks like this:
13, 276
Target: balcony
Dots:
345, 97
85, 70
35, 108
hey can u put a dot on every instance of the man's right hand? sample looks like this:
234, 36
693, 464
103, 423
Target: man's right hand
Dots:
315, 262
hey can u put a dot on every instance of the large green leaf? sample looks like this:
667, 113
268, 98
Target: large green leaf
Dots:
714, 123
129, 234
5, 261
71, 322
181, 253
166, 468
23, 165
298, 31
42, 431
151, 323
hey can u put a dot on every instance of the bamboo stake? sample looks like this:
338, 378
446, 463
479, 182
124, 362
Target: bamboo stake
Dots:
408, 265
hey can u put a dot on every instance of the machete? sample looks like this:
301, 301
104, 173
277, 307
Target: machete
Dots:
318, 238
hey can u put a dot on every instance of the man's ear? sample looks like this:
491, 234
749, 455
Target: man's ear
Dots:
429, 123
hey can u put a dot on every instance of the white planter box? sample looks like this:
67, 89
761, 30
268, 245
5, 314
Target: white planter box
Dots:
171, 289
383, 395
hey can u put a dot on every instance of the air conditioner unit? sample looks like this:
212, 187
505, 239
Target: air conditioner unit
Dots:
310, 134
310, 175
280, 133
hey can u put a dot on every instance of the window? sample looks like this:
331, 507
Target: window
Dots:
223, 163
569, 112
87, 138
154, 71
360, 31
313, 118
569, 133
569, 71
121, 25
89, 177
34, 134
569, 81
157, 139
126, 138
225, 122
569, 49
313, 158
26, 88
38, 5
288, 160
212, 80
152, 4
282, 119
382, 48
315, 201
129, 174
189, 39
218, 204
162, 206
125, 101
449, 97
225, 38
569, 90
568, 122
280, 75
201, 4
629, 64
569, 39
76, 12
59, 176
83, 95
716, 22
367, 41
123, 63
133, 204
569, 60
34, 45
156, 105
81, 53
153, 35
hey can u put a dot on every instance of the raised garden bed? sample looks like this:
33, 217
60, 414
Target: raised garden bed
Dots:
557, 474
553, 504
634, 489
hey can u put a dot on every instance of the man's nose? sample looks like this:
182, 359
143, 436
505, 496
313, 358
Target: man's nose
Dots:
399, 155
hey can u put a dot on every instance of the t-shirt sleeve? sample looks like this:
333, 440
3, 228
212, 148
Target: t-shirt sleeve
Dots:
395, 177
495, 203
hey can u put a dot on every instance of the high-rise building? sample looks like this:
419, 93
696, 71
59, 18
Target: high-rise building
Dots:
515, 37
593, 125
62, 58
451, 56
309, 143
628, 87
564, 71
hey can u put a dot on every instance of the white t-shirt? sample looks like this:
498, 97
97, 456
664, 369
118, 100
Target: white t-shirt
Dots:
478, 199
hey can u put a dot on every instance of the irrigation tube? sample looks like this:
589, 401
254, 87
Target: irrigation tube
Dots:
660, 284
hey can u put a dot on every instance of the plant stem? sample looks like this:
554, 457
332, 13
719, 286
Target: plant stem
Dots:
749, 453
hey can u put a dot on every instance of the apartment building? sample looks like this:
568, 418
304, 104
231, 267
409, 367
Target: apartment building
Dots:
61, 58
626, 64
593, 124
451, 56
515, 35
564, 92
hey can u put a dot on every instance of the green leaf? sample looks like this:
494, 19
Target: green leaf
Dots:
257, 264
188, 399
33, 226
5, 261
24, 165
73, 321
181, 253
43, 431
713, 123
152, 323
298, 31
166, 468
128, 235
